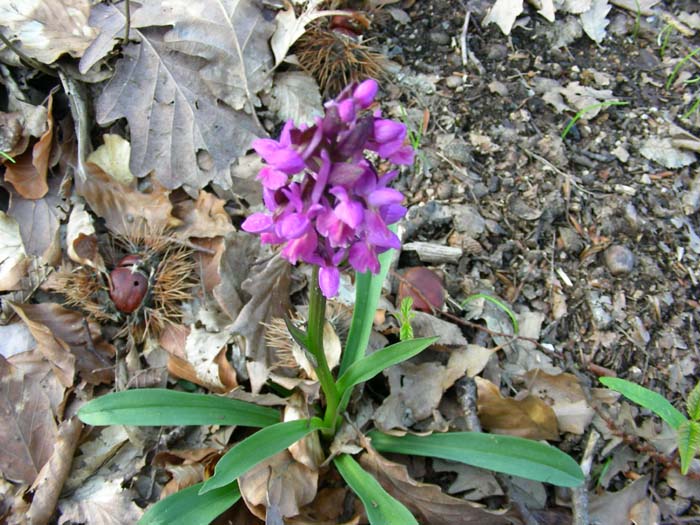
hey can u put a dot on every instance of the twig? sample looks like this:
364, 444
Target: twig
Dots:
29, 60
127, 23
579, 496
463, 40
79, 111
467, 393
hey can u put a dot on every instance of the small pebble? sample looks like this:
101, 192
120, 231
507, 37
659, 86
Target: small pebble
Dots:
444, 190
439, 37
453, 81
619, 260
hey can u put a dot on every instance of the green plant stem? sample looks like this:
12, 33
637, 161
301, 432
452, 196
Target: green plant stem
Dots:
314, 331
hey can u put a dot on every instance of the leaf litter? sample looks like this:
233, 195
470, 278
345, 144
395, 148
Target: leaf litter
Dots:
168, 165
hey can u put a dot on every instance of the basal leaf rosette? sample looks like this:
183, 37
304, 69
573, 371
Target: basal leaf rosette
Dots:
326, 202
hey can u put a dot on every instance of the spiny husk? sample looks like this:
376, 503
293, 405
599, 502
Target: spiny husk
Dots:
335, 59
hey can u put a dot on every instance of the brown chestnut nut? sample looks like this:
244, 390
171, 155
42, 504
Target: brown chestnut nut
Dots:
128, 284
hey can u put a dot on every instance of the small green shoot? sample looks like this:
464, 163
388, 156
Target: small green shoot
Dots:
585, 110
405, 315
677, 68
13, 161
687, 430
664, 37
693, 108
637, 19
503, 306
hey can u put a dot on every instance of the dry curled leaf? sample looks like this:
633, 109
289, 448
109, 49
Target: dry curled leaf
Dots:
530, 417
112, 157
27, 427
204, 218
426, 502
46, 29
12, 254
28, 174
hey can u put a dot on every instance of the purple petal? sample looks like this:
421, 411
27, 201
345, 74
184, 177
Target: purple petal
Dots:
271, 178
385, 196
302, 248
293, 225
387, 149
393, 213
281, 157
377, 232
403, 156
350, 212
363, 258
256, 223
329, 281
355, 141
345, 173
386, 130
321, 177
346, 109
365, 92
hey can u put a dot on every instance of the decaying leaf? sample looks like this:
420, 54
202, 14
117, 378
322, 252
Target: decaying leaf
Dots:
39, 220
112, 157
49, 483
12, 254
204, 218
212, 52
475, 482
529, 417
100, 501
108, 20
63, 338
295, 96
81, 239
594, 20
46, 29
29, 171
125, 209
504, 13
425, 501
279, 481
268, 289
565, 395
662, 151
27, 427
615, 507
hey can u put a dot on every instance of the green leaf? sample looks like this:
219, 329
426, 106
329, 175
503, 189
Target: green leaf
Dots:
187, 507
382, 509
646, 398
371, 365
508, 454
688, 443
368, 290
693, 403
254, 449
162, 407
500, 304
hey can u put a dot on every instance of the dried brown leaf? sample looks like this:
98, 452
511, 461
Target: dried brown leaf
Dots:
125, 209
279, 481
39, 219
27, 427
563, 392
614, 508
214, 51
204, 218
529, 417
62, 337
12, 254
112, 157
100, 501
46, 29
49, 482
427, 502
269, 297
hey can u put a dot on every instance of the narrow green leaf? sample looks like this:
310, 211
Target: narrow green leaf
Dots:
688, 443
371, 365
500, 304
648, 399
162, 407
693, 403
382, 508
508, 454
368, 290
187, 507
254, 449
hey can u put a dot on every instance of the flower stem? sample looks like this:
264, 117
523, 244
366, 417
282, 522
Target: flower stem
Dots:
314, 330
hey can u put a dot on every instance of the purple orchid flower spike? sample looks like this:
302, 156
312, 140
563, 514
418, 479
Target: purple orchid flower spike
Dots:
326, 203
